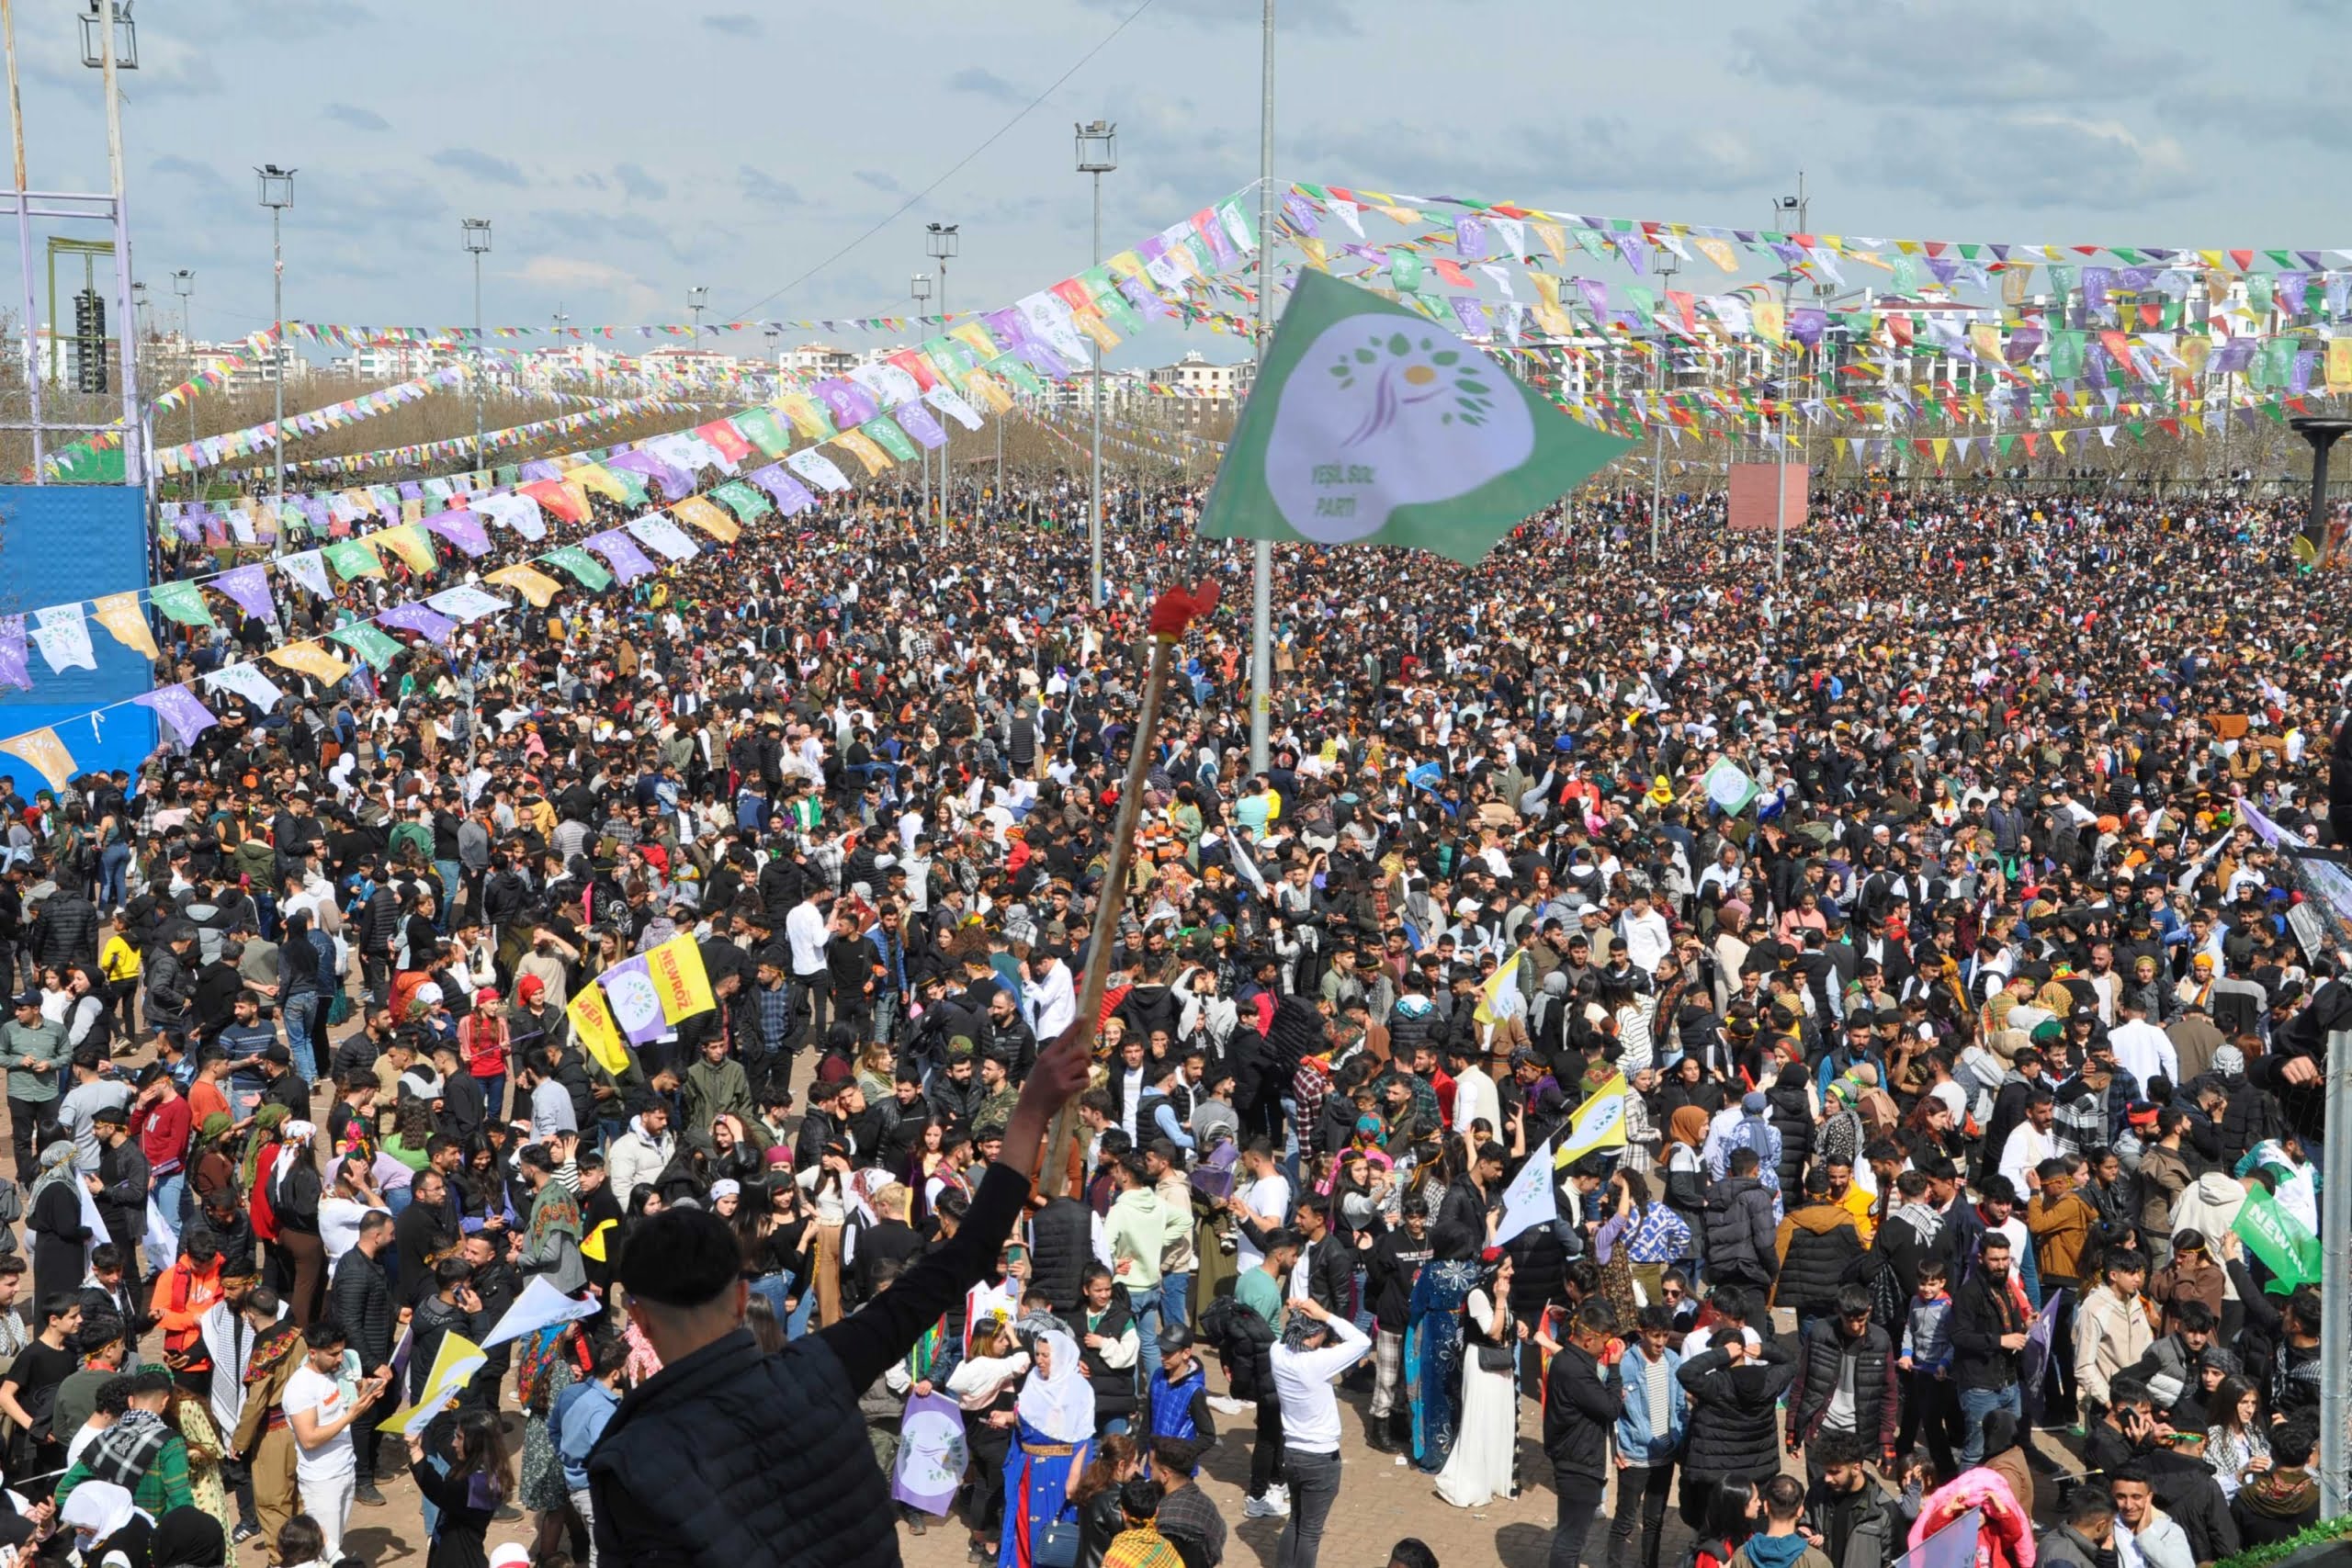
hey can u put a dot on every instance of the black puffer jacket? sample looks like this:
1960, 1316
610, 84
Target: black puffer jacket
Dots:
1061, 1244
1820, 1358
1735, 1414
1791, 1115
1740, 1231
67, 931
1820, 1250
1245, 1343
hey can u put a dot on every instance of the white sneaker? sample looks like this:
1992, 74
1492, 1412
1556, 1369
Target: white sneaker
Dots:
1273, 1505
1226, 1404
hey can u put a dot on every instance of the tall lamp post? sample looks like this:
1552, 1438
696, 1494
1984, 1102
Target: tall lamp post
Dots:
1098, 154
1665, 265
477, 237
277, 195
184, 285
1799, 205
920, 287
1261, 575
943, 243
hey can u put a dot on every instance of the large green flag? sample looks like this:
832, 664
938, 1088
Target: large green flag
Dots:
1368, 425
2283, 1242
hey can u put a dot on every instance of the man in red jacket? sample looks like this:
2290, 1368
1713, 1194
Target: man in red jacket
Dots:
160, 1120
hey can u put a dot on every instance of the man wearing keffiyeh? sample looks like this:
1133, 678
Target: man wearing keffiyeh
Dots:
140, 1452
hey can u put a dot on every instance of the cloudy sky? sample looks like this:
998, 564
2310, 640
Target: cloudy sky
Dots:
624, 159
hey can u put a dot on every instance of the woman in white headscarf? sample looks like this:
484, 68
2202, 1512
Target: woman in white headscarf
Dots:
1053, 1436
295, 1190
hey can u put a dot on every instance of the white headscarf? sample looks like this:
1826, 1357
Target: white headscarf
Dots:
1060, 1405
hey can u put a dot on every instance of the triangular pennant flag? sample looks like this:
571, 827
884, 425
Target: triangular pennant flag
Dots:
532, 584
46, 752
309, 659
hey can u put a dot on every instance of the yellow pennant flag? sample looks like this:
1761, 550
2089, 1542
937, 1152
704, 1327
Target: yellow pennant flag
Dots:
455, 1363
1985, 339
1718, 253
599, 478
309, 659
807, 417
1770, 322
975, 336
593, 1026
1555, 240
1599, 1123
1313, 249
1095, 327
573, 488
984, 386
707, 516
531, 584
2339, 365
1498, 999
412, 511
409, 543
1126, 264
119, 612
867, 450
46, 752
678, 975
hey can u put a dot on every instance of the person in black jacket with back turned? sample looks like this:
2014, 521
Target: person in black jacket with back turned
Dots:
1582, 1400
727, 1457
1988, 1323
1735, 1414
361, 1298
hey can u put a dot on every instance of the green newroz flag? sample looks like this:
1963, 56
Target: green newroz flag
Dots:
587, 568
1368, 425
2283, 1242
182, 602
746, 503
885, 432
363, 640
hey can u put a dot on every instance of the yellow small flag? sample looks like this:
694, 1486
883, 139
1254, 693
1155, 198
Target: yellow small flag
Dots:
409, 543
309, 659
531, 584
599, 478
119, 612
1718, 253
1498, 999
1599, 1123
867, 450
707, 517
46, 752
678, 975
2339, 365
593, 1026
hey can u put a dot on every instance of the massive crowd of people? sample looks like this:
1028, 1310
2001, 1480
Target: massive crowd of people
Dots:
1955, 1031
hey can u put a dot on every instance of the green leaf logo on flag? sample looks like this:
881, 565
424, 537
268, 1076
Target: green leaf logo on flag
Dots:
1368, 425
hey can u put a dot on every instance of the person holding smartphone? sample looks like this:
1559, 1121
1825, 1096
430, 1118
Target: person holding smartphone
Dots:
320, 1413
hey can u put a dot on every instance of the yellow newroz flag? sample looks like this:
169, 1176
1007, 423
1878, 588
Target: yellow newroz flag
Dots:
1498, 999
1599, 1123
531, 584
707, 516
593, 1026
677, 973
46, 752
309, 659
119, 612
867, 450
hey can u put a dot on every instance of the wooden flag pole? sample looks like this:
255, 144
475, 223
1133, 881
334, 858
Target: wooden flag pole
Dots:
1174, 610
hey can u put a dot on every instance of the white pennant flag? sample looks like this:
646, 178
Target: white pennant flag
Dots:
664, 535
949, 401
63, 638
467, 603
519, 513
816, 469
310, 569
247, 681
1531, 1199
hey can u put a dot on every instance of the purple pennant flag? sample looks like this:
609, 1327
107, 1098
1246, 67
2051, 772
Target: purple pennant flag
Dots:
628, 562
1470, 237
1636, 252
1150, 305
1945, 271
412, 490
249, 586
188, 529
1790, 254
540, 468
1596, 295
1302, 214
321, 520
791, 495
850, 404
932, 1456
1044, 360
2094, 363
1467, 311
462, 529
916, 421
2236, 356
1806, 326
635, 1002
178, 707
430, 625
1009, 327
2095, 282
2288, 293
2136, 278
13, 671
2299, 378
675, 482
2021, 344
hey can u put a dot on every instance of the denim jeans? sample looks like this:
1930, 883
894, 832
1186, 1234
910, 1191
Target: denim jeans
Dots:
302, 1011
114, 865
168, 1193
1146, 1316
777, 1288
1975, 1404
1314, 1487
493, 1094
1175, 1298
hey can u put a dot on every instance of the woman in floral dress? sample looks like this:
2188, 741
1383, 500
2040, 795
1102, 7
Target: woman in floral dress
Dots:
194, 1424
549, 1365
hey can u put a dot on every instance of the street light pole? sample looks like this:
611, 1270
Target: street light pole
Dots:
1799, 205
277, 195
696, 298
943, 242
1098, 154
1665, 269
184, 285
1262, 586
920, 288
477, 237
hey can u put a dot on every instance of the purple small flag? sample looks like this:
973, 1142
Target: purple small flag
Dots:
1636, 252
13, 669
850, 404
1790, 254
2021, 344
540, 468
190, 530
2236, 356
1806, 324
1302, 214
916, 421
791, 495
1596, 295
249, 586
462, 529
628, 562
1470, 237
2299, 380
1151, 306
931, 1454
1473, 318
635, 1000
430, 625
412, 490
178, 706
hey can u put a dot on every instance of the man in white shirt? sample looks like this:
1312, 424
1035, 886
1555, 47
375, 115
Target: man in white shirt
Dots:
1647, 936
1263, 1201
1316, 1347
1048, 1000
2141, 1048
2029, 1143
1474, 1095
805, 930
320, 1413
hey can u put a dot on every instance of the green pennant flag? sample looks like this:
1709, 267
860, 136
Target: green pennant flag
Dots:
1404, 272
2283, 1242
634, 484
1016, 371
1368, 426
886, 434
181, 602
745, 501
363, 640
760, 427
590, 571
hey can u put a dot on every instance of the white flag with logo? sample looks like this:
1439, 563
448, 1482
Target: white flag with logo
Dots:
1529, 1199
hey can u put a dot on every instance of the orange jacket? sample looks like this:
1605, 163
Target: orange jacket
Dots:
182, 1294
